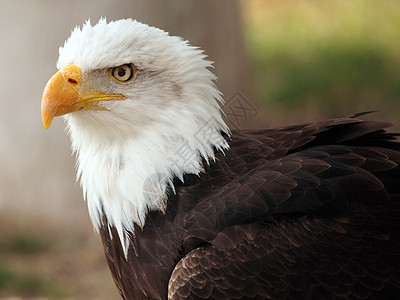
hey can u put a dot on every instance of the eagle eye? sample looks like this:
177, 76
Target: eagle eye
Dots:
123, 73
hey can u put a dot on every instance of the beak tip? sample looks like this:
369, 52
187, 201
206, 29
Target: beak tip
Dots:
46, 123
46, 120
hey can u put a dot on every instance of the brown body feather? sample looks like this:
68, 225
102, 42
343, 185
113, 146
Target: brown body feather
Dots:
309, 211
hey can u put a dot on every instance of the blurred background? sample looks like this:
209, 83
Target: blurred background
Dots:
283, 61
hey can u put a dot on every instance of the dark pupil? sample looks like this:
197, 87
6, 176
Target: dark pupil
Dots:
121, 72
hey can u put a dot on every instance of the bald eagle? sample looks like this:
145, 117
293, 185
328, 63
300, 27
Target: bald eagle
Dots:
187, 209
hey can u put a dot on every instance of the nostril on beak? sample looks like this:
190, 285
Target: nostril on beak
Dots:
72, 81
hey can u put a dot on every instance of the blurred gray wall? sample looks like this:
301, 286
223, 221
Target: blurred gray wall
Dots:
37, 176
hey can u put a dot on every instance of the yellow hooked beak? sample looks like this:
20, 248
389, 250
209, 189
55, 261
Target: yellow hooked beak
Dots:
63, 95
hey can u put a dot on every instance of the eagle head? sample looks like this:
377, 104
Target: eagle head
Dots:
120, 78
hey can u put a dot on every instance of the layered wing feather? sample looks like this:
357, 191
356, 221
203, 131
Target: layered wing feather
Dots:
317, 219
299, 212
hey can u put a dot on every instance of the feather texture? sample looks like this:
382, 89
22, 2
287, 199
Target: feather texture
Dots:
282, 215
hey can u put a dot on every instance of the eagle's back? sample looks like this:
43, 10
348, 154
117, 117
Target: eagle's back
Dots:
299, 212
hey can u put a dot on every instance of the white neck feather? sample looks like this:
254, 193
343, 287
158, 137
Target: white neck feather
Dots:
124, 179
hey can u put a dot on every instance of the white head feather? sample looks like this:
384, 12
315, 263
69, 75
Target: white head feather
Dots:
171, 120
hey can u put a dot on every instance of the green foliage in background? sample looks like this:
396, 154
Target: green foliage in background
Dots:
337, 56
25, 245
27, 285
10, 279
